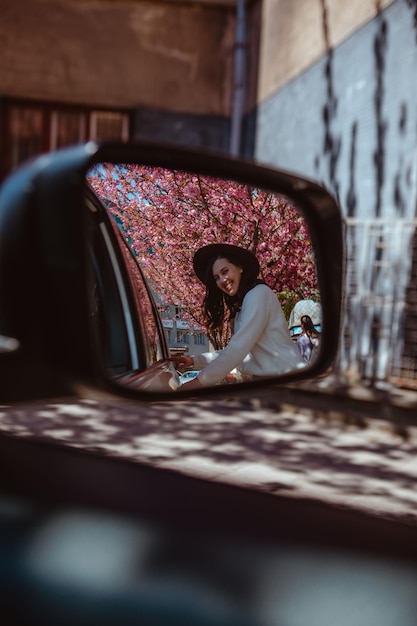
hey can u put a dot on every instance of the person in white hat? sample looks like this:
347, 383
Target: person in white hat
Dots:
260, 345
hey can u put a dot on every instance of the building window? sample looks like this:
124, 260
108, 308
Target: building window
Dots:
107, 125
183, 337
200, 339
28, 128
25, 134
67, 127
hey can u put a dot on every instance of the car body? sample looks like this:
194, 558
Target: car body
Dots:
100, 523
125, 309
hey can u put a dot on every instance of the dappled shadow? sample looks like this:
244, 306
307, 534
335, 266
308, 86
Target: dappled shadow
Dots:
278, 449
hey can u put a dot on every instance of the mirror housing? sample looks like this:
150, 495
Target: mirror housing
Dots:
44, 303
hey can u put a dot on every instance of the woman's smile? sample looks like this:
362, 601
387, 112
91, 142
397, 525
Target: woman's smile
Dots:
227, 276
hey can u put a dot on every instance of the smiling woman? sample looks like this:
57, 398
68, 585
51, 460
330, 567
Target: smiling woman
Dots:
261, 345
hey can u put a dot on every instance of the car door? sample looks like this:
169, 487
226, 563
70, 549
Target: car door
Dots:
126, 324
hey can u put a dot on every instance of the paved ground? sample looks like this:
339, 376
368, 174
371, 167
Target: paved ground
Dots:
344, 455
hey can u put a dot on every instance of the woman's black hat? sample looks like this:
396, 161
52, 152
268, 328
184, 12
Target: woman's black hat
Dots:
205, 256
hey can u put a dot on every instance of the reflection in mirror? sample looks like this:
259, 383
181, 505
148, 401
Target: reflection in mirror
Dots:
193, 311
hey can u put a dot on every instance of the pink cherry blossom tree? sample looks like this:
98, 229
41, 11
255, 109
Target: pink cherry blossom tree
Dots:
167, 215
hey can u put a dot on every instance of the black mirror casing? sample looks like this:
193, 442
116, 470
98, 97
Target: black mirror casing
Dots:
44, 300
42, 277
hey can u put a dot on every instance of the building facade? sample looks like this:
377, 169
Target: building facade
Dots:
323, 88
340, 108
77, 70
183, 336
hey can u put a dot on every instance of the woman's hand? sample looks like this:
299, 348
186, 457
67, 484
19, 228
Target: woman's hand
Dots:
182, 362
192, 384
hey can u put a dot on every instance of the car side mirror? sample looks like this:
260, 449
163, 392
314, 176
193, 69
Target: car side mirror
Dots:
102, 241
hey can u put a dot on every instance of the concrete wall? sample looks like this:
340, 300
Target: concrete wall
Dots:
172, 56
350, 121
295, 34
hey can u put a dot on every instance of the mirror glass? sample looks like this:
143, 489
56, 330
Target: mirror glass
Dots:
252, 311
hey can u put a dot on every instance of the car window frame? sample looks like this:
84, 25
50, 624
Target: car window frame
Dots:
116, 247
